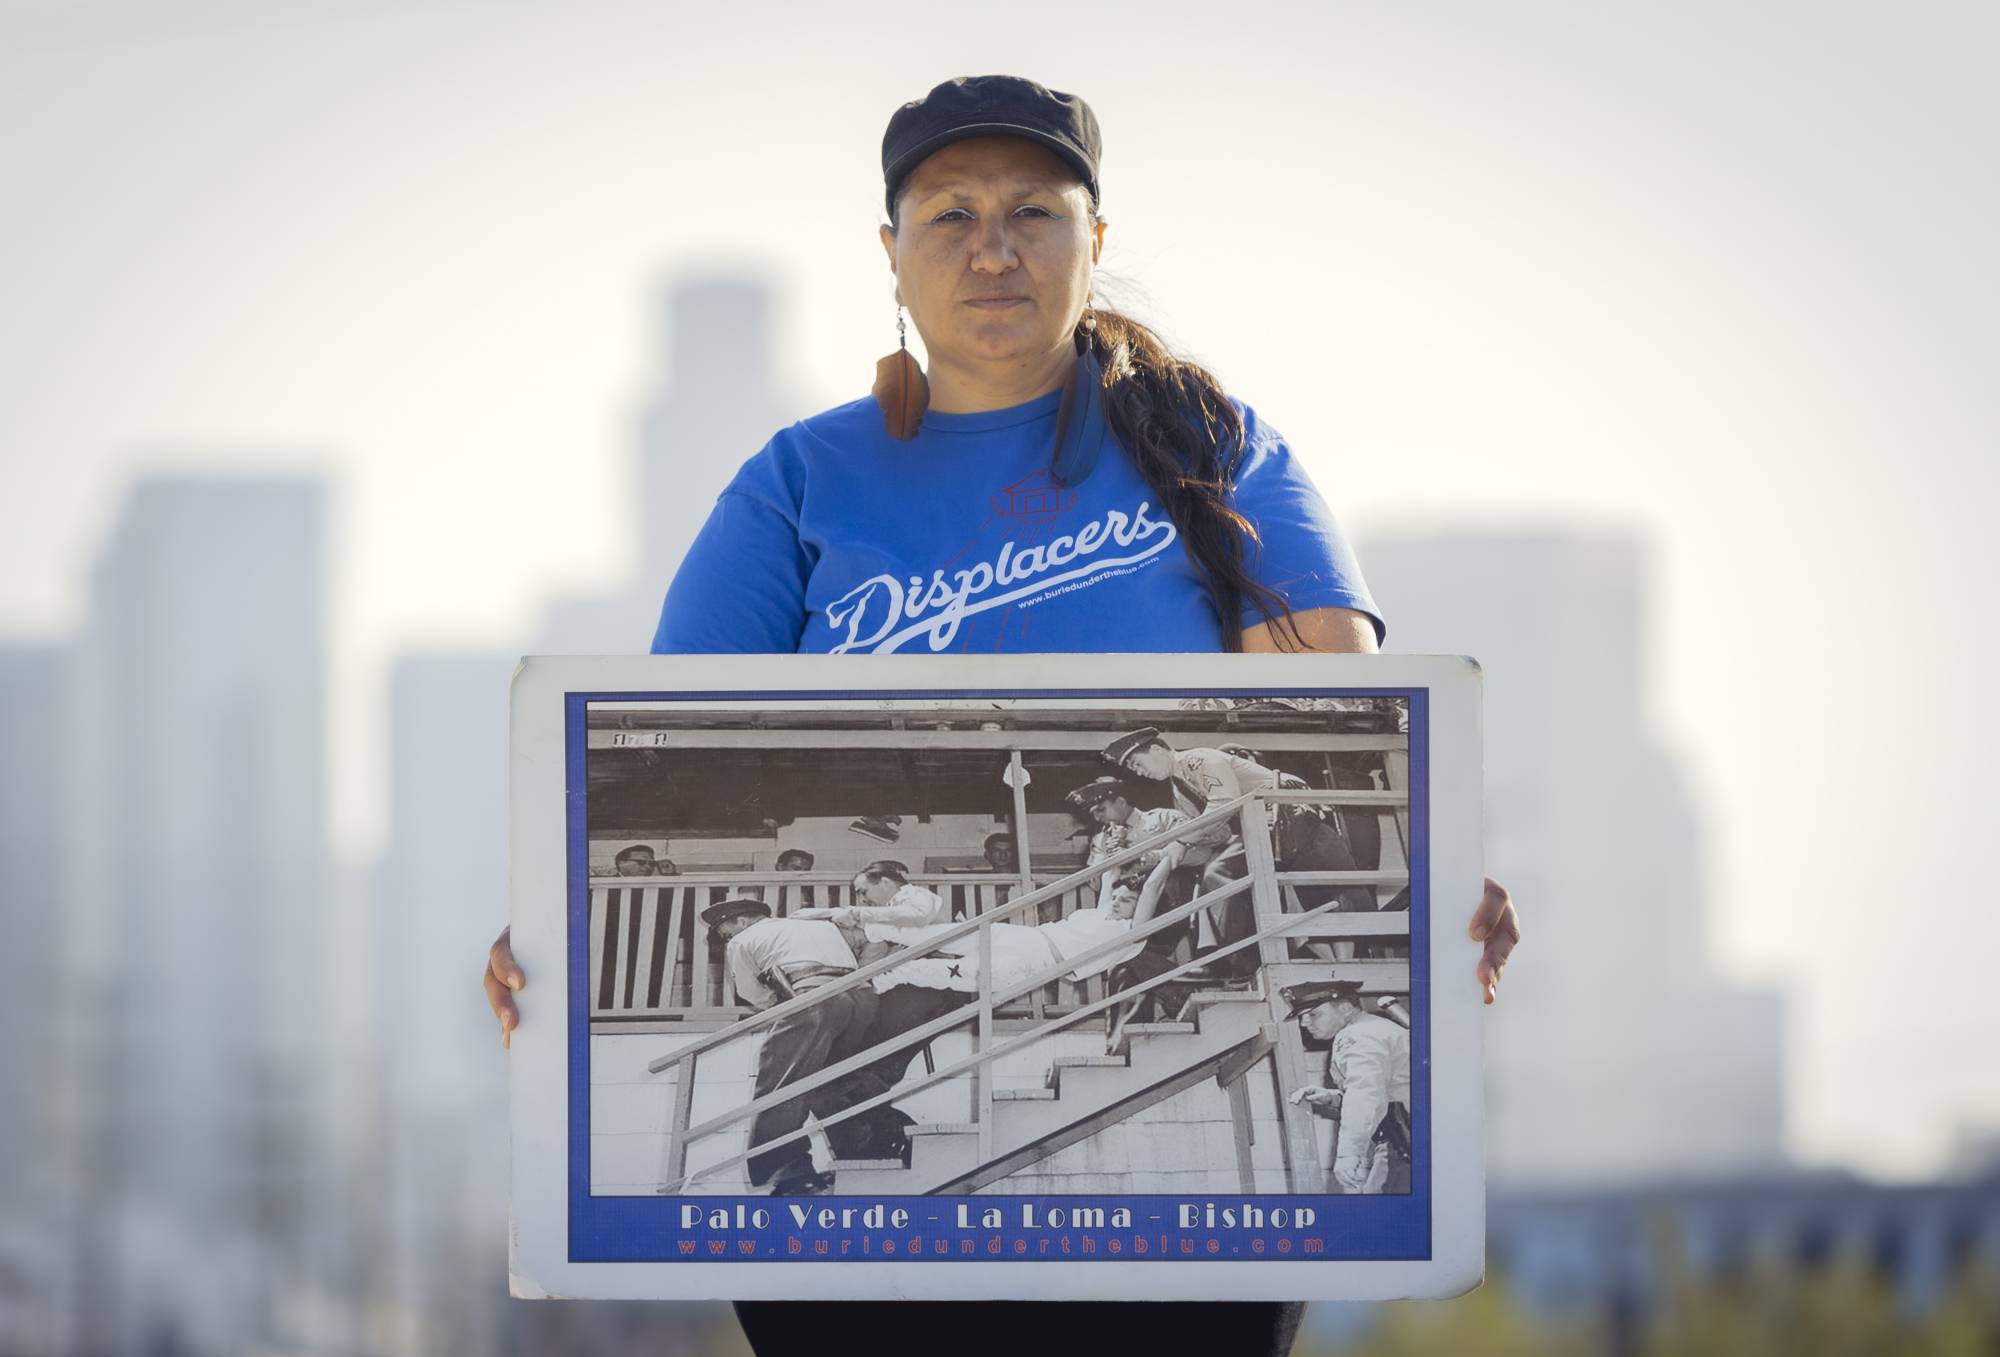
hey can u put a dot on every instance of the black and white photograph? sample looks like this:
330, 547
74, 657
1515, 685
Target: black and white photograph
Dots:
1125, 899
946, 986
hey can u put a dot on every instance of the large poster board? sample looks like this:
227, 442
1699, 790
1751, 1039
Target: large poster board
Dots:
1012, 977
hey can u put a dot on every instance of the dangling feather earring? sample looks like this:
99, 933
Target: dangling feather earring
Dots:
900, 388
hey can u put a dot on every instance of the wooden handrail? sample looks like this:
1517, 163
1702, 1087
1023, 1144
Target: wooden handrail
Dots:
1005, 1048
681, 1135
965, 1013
1081, 876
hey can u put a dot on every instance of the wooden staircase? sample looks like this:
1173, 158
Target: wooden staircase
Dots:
1082, 1095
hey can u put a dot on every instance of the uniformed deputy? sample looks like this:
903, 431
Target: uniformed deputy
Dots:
1303, 842
772, 960
1107, 803
1161, 884
1368, 1090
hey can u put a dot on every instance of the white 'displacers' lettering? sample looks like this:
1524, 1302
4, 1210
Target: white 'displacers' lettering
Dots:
881, 613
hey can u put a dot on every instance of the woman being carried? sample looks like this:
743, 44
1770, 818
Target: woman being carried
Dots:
1020, 952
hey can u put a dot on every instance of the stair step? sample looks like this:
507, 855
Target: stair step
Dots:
1201, 999
1013, 1095
1082, 1062
863, 1165
942, 1128
1157, 1028
1150, 1029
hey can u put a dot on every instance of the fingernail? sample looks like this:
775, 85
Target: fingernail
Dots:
1479, 932
513, 980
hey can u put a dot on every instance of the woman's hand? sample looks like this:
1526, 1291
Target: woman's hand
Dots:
503, 977
1497, 925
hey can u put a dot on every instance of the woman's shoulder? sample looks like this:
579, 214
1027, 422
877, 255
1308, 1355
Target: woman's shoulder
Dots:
841, 426
777, 472
1259, 433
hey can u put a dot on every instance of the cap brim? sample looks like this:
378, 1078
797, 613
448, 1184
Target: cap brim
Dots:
910, 159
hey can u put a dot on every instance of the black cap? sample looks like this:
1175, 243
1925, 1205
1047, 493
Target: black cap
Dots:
1090, 793
1317, 992
1125, 744
729, 909
990, 106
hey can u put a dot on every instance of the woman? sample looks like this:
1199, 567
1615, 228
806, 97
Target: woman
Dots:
1020, 951
1056, 482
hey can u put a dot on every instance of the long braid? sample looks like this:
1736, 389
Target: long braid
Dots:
1187, 441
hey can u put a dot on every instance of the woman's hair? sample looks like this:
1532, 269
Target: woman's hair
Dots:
1186, 439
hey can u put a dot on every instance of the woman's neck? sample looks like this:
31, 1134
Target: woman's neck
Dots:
970, 389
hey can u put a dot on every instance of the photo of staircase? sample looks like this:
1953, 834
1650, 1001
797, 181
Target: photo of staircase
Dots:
1174, 1078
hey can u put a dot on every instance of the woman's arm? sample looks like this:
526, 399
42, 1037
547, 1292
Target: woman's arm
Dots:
1337, 631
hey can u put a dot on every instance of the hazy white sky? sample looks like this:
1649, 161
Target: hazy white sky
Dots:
1721, 273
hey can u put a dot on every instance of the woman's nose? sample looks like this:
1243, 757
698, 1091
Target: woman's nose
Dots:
993, 247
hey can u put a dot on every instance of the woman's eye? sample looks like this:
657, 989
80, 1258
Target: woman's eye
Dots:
954, 214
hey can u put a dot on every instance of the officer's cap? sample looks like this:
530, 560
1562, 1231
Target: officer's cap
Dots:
1125, 744
1093, 792
728, 909
1317, 992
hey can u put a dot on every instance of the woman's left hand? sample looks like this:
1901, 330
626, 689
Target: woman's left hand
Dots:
1497, 925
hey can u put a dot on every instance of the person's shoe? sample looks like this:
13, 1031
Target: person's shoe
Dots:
892, 1134
803, 1185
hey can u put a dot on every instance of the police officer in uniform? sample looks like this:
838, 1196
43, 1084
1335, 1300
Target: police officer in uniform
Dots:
1106, 803
1158, 873
1368, 1085
772, 960
1202, 777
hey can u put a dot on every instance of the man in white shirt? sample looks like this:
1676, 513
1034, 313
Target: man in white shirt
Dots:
883, 895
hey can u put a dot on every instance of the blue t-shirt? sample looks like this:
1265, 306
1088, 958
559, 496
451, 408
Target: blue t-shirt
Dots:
836, 538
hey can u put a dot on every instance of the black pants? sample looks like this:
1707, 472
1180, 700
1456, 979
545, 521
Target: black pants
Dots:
897, 1011
1305, 843
1010, 1328
799, 1046
1158, 957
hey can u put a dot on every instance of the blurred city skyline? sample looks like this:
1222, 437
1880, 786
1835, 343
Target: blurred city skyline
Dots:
317, 1136
1713, 283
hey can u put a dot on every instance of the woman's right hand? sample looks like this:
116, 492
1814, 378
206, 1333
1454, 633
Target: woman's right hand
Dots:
503, 977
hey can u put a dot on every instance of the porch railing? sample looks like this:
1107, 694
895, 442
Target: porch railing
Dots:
1274, 926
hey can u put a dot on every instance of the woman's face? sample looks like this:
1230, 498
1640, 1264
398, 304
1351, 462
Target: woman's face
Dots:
1124, 901
993, 250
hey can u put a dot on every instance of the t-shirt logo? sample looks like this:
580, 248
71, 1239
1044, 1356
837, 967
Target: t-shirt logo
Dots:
1033, 501
882, 614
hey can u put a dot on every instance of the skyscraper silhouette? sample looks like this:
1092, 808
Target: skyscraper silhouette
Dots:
193, 873
1618, 1052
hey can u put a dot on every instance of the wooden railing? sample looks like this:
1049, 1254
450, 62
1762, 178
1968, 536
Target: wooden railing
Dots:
652, 959
1274, 928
